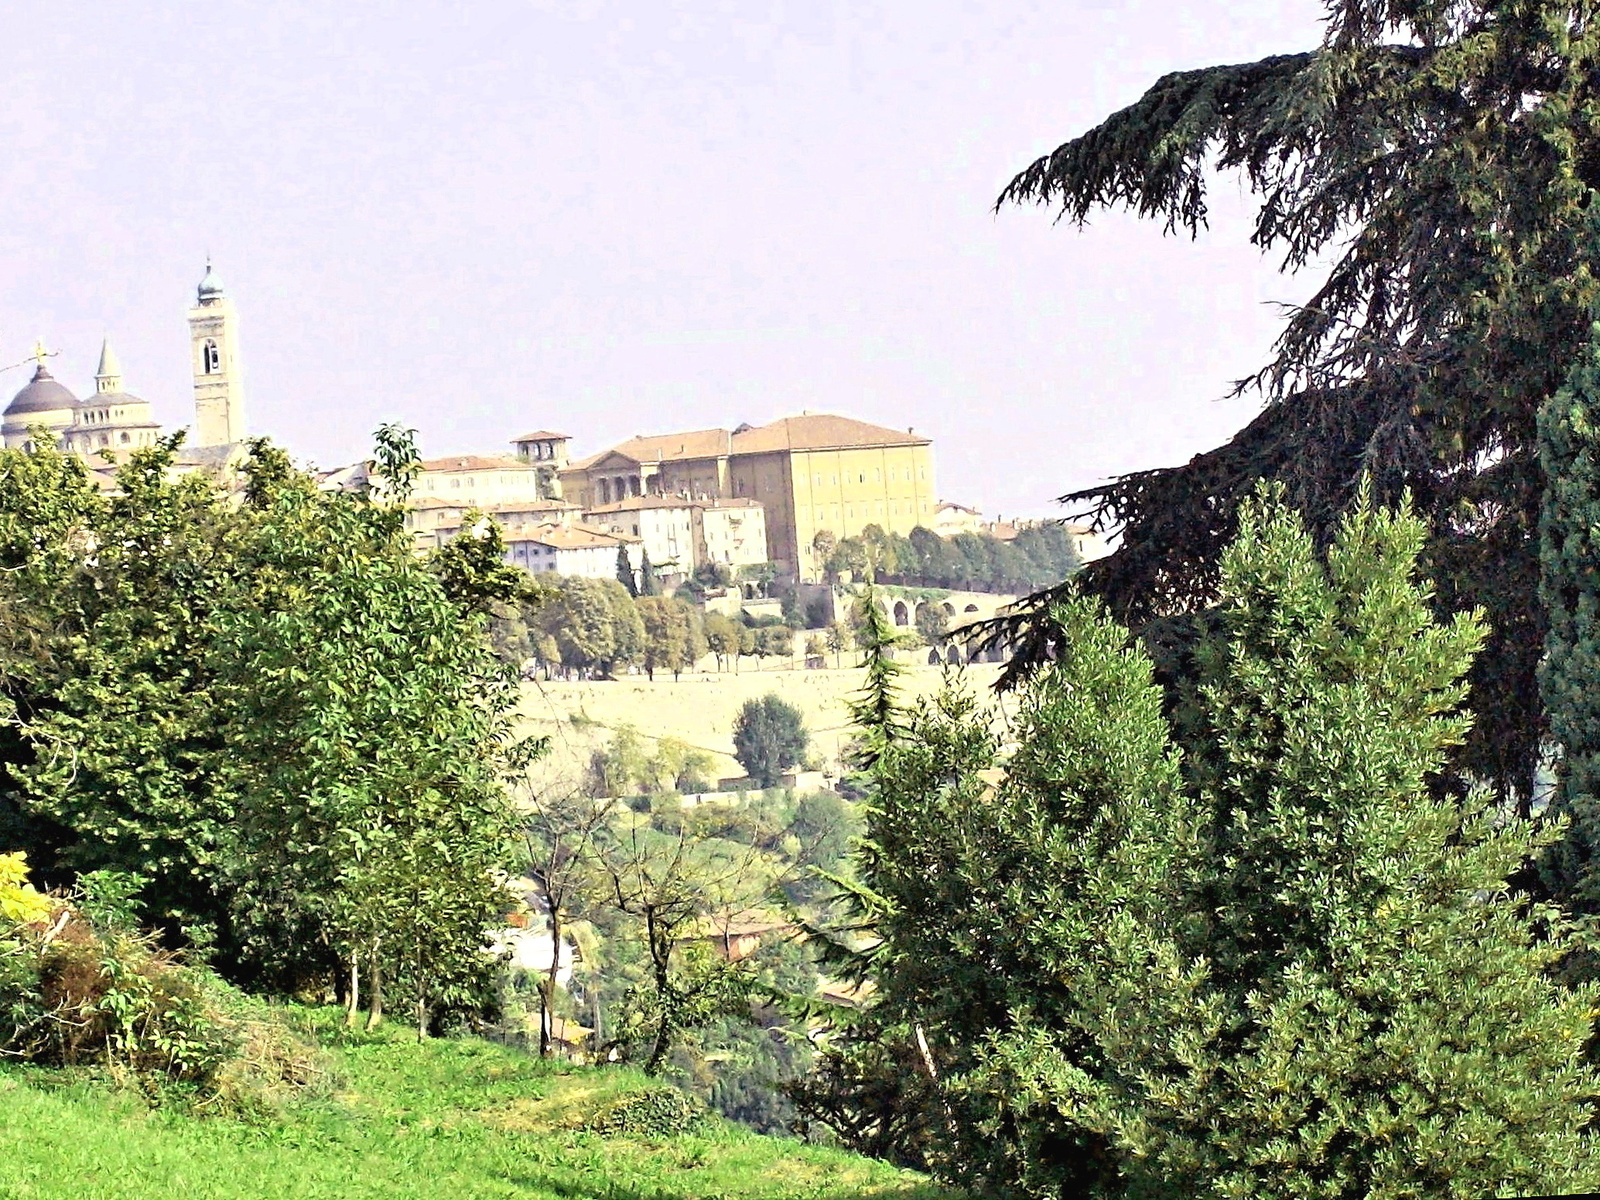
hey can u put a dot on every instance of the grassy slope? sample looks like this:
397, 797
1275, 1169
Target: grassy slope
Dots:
699, 709
448, 1120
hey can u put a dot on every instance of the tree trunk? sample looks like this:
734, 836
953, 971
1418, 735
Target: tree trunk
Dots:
352, 999
547, 998
660, 959
375, 986
422, 998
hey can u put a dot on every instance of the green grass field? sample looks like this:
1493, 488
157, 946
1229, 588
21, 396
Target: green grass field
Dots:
456, 1119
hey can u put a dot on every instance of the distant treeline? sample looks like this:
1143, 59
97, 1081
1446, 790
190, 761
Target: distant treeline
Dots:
1039, 556
594, 628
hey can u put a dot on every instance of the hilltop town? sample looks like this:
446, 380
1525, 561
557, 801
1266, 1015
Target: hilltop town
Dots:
766, 504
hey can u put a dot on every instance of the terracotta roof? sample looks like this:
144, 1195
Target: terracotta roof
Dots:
573, 537
436, 504
635, 503
515, 506
477, 462
820, 431
728, 502
541, 435
673, 447
944, 504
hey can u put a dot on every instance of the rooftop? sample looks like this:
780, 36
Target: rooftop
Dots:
435, 503
573, 537
477, 462
541, 435
821, 431
808, 431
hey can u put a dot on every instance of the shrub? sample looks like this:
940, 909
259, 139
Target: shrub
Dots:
76, 992
658, 1113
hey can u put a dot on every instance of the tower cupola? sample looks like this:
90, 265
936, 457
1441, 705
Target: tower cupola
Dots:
210, 289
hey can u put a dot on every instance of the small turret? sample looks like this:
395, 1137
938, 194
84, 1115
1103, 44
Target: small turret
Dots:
108, 377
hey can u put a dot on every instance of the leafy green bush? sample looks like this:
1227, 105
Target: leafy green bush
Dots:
658, 1113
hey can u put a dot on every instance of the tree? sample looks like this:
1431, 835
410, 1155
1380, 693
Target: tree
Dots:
769, 737
1442, 159
649, 584
627, 627
822, 547
723, 637
680, 767
625, 572
1275, 964
276, 711
1569, 676
670, 881
666, 634
365, 720
621, 767
839, 640
932, 622
774, 641
562, 833
582, 620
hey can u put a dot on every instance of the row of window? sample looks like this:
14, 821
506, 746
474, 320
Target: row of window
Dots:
822, 513
877, 476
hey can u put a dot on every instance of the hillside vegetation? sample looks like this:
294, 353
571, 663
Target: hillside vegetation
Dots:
699, 709
460, 1118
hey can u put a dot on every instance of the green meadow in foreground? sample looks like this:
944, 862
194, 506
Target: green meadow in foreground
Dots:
450, 1119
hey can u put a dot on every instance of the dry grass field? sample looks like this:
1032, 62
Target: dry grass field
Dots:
699, 709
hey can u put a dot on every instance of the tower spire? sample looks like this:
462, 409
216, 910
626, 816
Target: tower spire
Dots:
108, 376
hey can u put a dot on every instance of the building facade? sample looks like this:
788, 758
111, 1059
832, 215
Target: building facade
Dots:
572, 550
434, 522
479, 480
810, 473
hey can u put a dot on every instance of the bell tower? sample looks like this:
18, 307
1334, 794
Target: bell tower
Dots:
218, 373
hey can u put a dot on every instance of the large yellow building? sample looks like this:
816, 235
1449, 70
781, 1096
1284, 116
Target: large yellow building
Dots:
811, 472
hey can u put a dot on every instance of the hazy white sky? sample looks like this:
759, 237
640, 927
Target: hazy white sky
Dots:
618, 218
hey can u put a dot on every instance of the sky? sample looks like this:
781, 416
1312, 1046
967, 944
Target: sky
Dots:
626, 218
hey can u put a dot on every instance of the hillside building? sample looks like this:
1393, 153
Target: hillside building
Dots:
573, 550
479, 480
811, 472
682, 535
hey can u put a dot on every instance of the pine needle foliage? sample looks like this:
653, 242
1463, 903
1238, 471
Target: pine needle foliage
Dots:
1569, 676
1441, 159
1241, 948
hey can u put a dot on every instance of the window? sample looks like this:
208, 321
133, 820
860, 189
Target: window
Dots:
877, 475
210, 358
124, 439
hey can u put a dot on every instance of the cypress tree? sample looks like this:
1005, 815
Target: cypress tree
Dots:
1569, 586
625, 574
649, 583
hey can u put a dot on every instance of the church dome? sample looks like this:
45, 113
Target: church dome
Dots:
42, 395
